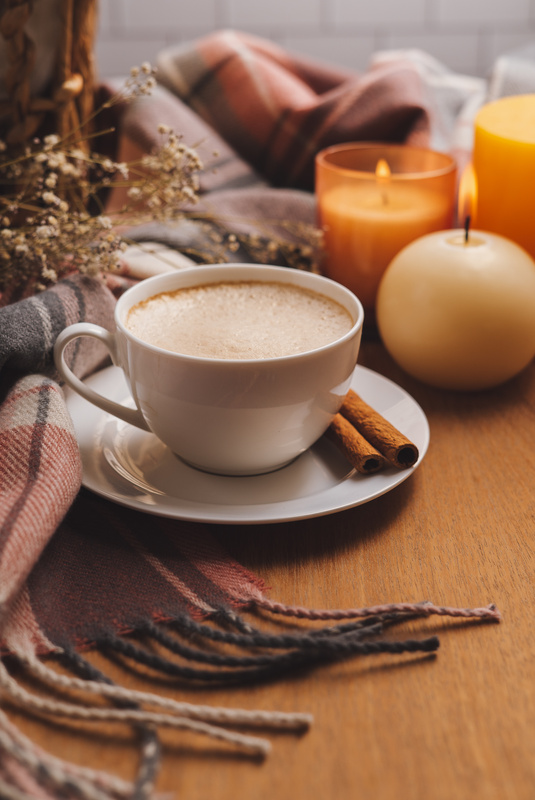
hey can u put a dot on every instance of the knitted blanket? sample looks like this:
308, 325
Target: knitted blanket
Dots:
77, 571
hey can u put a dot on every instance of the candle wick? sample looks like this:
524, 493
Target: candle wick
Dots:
466, 229
384, 195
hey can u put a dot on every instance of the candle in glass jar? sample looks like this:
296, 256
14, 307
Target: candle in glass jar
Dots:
372, 201
365, 227
456, 309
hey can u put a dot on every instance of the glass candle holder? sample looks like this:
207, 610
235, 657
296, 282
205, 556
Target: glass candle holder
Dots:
373, 199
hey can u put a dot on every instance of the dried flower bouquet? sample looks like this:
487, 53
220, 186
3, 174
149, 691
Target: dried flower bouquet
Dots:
53, 216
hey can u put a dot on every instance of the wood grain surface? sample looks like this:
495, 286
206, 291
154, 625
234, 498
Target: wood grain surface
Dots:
456, 725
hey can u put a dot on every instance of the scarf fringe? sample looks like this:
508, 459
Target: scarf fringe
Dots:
426, 608
52, 772
229, 649
300, 650
215, 714
36, 703
8, 791
150, 749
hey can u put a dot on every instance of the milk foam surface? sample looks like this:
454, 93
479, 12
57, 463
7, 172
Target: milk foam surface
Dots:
244, 319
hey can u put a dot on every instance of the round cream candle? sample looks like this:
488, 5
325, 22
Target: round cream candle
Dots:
504, 163
373, 199
457, 312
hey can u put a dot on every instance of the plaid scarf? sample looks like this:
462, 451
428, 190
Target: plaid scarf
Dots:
77, 571
290, 107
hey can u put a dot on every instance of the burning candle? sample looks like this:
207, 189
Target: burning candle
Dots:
504, 163
455, 308
375, 199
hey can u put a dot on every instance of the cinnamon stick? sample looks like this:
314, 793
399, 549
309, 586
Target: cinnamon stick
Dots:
360, 453
380, 433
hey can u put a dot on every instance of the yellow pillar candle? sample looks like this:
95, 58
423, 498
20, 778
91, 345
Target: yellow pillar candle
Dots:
504, 163
457, 310
372, 201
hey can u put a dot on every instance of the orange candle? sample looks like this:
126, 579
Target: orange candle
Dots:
375, 199
504, 163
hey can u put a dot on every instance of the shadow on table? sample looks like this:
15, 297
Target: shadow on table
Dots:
298, 541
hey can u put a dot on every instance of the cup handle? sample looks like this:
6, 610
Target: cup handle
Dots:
131, 415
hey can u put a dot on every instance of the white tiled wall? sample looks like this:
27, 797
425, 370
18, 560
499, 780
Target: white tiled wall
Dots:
467, 35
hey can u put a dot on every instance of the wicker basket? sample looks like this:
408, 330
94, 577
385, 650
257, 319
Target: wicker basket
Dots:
67, 99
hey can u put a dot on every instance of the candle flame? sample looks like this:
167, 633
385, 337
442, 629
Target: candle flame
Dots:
467, 204
382, 176
382, 171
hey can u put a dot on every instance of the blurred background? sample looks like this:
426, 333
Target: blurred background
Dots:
465, 35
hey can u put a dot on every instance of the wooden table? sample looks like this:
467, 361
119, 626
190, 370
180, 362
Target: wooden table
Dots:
453, 726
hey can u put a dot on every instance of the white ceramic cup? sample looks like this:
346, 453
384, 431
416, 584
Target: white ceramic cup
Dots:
227, 416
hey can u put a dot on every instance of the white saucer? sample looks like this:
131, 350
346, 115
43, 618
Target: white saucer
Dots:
133, 468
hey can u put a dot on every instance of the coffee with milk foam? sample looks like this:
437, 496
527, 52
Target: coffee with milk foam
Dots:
239, 320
